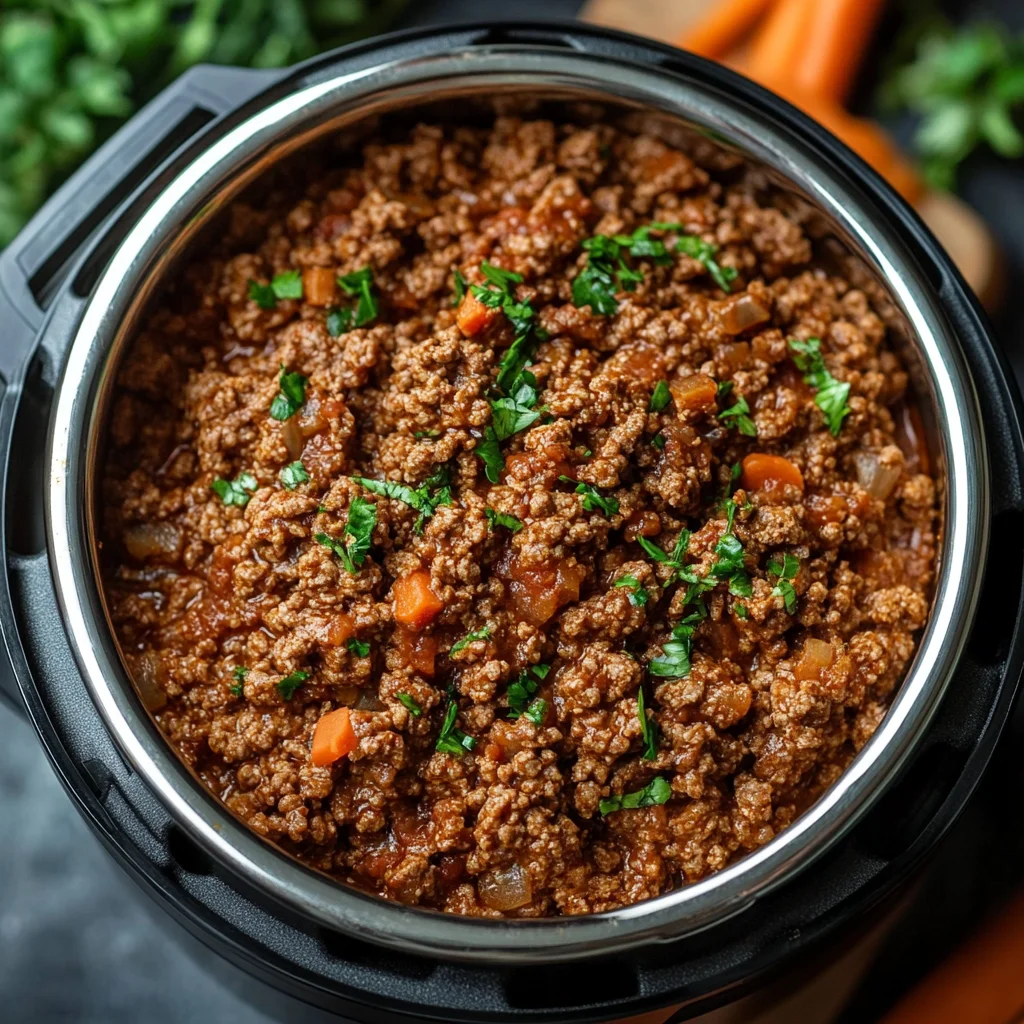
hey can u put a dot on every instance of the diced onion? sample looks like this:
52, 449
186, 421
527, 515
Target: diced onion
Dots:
292, 436
148, 673
742, 313
505, 888
878, 478
149, 540
816, 657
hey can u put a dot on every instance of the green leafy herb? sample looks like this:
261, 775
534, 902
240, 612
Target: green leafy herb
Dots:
411, 706
360, 282
704, 253
452, 740
740, 415
741, 610
287, 686
786, 571
262, 294
236, 689
659, 442
657, 791
537, 711
478, 634
239, 672
461, 284
291, 396
648, 728
729, 563
593, 500
496, 519
967, 86
521, 691
362, 518
660, 397
831, 393
674, 662
508, 416
675, 560
339, 321
421, 434
638, 596
237, 491
286, 285
360, 648
425, 499
293, 474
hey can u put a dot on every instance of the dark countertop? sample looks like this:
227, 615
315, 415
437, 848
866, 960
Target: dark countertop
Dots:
78, 942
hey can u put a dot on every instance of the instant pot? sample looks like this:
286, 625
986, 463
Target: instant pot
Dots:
73, 287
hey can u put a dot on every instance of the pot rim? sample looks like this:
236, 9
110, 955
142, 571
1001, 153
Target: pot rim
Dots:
198, 190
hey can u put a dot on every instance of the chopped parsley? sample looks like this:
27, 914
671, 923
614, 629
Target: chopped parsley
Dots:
674, 662
294, 474
360, 648
593, 500
461, 284
741, 610
339, 321
704, 253
675, 560
786, 571
740, 416
521, 691
496, 519
831, 393
657, 791
638, 596
509, 415
360, 282
362, 518
452, 740
477, 634
410, 705
425, 499
648, 727
239, 672
659, 442
237, 491
660, 397
287, 686
286, 285
729, 563
291, 396
537, 711
422, 434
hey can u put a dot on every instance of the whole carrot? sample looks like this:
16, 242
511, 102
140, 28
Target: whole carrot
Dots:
780, 40
723, 27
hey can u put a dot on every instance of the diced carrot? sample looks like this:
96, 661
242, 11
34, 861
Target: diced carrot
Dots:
760, 469
333, 738
473, 316
723, 27
494, 752
696, 391
318, 285
415, 603
339, 629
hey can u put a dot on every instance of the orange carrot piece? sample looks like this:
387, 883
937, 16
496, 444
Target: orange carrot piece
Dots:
836, 35
318, 285
722, 28
473, 316
760, 469
779, 42
415, 603
333, 738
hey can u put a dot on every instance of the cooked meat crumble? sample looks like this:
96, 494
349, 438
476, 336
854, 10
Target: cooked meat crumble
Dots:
519, 523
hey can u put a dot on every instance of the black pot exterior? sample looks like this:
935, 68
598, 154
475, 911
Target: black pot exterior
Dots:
45, 277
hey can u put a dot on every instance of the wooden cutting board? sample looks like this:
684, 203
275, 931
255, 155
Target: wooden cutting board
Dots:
966, 237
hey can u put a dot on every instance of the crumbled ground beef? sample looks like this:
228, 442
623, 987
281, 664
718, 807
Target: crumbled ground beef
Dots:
216, 603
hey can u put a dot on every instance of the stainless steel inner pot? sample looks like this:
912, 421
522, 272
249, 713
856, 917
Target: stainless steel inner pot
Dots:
834, 211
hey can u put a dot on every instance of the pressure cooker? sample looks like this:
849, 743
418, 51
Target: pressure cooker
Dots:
73, 287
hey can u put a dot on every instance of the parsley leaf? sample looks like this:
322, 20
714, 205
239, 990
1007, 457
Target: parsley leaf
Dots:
360, 648
524, 687
239, 672
660, 397
362, 518
741, 609
785, 570
360, 282
287, 686
237, 491
478, 634
339, 321
511, 415
658, 441
426, 434
489, 451
461, 284
411, 706
286, 285
657, 791
675, 559
730, 563
593, 500
425, 499
648, 728
452, 740
638, 596
832, 394
294, 474
740, 415
537, 711
674, 662
496, 519
291, 396
262, 294
704, 253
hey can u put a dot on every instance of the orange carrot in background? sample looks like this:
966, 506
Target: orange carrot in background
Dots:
333, 738
836, 34
779, 41
723, 27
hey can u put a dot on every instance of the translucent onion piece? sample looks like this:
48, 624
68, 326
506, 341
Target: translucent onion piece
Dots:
149, 540
876, 476
505, 888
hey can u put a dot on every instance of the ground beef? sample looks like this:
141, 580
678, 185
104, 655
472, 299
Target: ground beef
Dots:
795, 602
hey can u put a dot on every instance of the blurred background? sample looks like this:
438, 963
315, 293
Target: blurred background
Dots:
77, 942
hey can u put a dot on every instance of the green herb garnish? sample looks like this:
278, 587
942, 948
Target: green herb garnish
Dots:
660, 397
704, 253
741, 609
740, 415
362, 518
648, 728
675, 559
434, 492
521, 691
293, 474
360, 282
426, 434
411, 706
658, 441
496, 519
479, 634
831, 393
593, 500
452, 740
537, 711
339, 321
674, 662
286, 285
638, 596
785, 570
657, 791
239, 672
360, 648
508, 416
237, 491
291, 397
287, 686
461, 284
